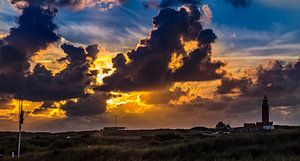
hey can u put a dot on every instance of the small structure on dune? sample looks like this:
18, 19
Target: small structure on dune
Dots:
265, 124
222, 127
112, 129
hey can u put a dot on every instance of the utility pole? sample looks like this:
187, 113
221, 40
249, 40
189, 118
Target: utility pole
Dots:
21, 120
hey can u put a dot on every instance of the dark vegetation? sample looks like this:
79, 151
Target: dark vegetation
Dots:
181, 145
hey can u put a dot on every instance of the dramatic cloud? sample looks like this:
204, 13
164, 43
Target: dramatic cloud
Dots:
147, 66
230, 84
108, 4
69, 83
71, 4
163, 97
171, 3
206, 18
273, 78
164, 70
86, 106
34, 32
277, 80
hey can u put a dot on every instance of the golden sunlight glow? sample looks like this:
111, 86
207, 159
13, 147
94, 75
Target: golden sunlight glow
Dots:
50, 113
189, 45
2, 35
11, 109
57, 113
103, 64
205, 89
217, 49
175, 62
130, 102
48, 58
54, 111
89, 90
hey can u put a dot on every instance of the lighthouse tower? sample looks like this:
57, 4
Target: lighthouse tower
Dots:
265, 124
265, 110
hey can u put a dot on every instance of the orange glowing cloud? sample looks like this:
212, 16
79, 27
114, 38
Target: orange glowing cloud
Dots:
205, 89
175, 62
128, 102
2, 35
11, 109
189, 45
103, 64
49, 58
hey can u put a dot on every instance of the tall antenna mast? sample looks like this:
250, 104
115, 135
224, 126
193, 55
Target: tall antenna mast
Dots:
116, 119
228, 118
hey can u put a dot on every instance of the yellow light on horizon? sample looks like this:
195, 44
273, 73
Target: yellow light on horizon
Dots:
128, 102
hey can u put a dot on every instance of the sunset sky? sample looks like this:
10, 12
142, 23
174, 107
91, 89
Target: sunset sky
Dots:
153, 63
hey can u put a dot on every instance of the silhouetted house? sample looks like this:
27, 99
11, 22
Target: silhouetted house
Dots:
250, 127
222, 126
265, 124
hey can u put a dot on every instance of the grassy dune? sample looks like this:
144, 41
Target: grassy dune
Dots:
164, 145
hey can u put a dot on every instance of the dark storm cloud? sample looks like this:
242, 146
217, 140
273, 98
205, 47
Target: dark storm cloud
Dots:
229, 84
198, 67
162, 97
74, 53
93, 50
86, 106
148, 66
42, 85
35, 29
34, 32
69, 83
206, 37
273, 78
212, 104
279, 81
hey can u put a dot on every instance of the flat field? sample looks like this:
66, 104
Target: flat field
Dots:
155, 145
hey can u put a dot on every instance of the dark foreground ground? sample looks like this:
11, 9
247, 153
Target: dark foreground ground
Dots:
158, 145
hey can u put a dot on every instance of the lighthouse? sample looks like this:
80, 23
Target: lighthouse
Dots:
265, 123
265, 110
